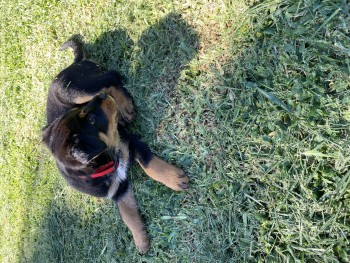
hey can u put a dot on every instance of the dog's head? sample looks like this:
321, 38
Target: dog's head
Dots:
84, 133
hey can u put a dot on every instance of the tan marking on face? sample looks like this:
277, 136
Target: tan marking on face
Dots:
165, 173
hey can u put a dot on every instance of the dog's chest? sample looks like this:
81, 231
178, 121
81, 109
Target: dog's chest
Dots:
119, 178
122, 170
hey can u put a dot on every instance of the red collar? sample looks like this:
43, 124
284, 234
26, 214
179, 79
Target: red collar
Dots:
103, 170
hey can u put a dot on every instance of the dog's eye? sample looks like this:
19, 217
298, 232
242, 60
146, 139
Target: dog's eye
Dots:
91, 118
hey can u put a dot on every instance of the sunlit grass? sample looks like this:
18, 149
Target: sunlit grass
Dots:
251, 98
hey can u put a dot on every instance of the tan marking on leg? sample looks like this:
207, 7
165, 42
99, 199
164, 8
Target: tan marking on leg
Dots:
165, 173
82, 99
124, 104
130, 214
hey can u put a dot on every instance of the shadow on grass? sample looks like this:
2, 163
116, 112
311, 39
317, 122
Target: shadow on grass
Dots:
151, 66
164, 50
73, 231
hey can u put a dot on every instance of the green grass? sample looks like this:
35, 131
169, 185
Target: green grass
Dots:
251, 98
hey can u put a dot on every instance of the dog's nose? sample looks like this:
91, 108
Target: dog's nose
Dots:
102, 95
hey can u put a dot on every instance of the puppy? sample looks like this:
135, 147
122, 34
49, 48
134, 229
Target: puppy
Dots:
87, 110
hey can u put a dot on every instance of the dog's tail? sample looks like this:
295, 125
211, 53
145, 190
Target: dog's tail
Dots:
76, 44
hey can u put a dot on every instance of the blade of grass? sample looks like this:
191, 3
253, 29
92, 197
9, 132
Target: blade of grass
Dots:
327, 21
275, 100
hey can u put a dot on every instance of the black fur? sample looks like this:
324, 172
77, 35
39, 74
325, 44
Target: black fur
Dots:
138, 149
72, 139
123, 188
87, 110
82, 78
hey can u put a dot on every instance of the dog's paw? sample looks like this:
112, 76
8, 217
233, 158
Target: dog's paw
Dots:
167, 174
142, 243
177, 180
128, 112
124, 104
183, 181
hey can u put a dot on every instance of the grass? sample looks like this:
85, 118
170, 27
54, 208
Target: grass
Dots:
251, 98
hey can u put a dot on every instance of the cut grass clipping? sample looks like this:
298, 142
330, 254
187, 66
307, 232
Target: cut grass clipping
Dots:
251, 98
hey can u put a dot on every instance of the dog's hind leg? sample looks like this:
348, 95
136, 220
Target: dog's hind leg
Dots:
130, 214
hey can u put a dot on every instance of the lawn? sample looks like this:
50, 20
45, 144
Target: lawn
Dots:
251, 98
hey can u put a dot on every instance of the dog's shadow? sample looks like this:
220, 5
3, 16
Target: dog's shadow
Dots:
151, 66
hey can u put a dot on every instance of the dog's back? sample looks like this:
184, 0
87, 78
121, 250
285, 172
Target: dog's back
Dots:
83, 78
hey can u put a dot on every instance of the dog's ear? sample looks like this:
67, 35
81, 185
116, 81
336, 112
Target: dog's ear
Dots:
53, 137
45, 134
85, 147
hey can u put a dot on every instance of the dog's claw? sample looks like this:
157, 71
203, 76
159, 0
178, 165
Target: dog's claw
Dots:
183, 181
182, 175
183, 185
143, 249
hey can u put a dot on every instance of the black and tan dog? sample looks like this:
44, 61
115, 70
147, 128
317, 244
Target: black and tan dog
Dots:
87, 110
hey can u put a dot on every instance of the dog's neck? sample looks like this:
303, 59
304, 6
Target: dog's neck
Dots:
102, 165
104, 158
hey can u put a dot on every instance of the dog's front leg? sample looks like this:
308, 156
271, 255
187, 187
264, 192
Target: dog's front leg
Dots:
124, 102
163, 172
158, 169
130, 214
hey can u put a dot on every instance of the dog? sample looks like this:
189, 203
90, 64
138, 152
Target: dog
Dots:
87, 114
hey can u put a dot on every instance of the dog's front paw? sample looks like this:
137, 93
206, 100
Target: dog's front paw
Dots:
177, 180
124, 103
183, 180
168, 174
128, 112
